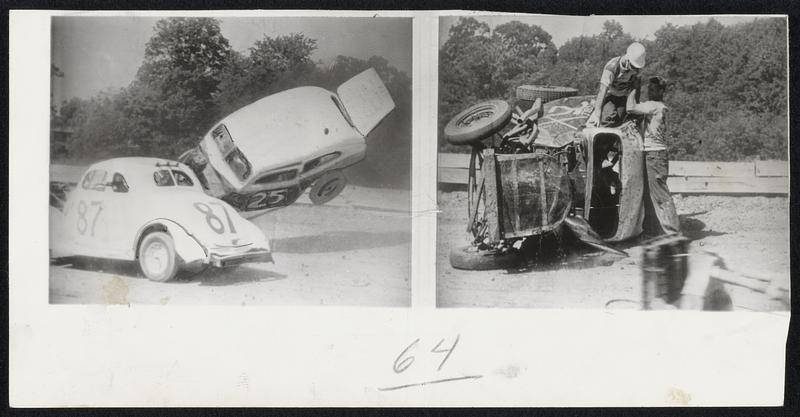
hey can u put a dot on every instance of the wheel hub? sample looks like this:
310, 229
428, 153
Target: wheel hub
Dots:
156, 258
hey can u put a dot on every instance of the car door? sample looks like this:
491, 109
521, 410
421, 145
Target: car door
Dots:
115, 224
366, 100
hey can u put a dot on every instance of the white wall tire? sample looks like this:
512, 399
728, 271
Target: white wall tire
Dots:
157, 258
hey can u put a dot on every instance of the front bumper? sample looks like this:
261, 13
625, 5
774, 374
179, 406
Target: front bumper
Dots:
253, 255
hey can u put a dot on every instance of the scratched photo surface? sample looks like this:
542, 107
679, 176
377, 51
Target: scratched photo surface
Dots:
613, 162
231, 160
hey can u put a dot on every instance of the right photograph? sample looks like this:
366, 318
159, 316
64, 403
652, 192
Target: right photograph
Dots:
613, 162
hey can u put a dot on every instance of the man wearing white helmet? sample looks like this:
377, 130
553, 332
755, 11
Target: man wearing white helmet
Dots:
620, 78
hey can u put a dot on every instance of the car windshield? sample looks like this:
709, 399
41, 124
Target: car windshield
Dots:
223, 139
239, 164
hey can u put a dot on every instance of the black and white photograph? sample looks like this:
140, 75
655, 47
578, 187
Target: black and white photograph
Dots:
613, 162
232, 160
399, 208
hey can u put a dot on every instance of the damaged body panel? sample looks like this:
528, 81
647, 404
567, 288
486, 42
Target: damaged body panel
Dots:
120, 204
542, 170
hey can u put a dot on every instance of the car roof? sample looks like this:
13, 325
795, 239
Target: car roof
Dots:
138, 170
133, 163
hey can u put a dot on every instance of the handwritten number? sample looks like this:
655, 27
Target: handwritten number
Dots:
405, 360
402, 365
448, 351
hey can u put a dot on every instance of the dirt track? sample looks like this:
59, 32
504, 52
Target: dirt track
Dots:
751, 234
324, 255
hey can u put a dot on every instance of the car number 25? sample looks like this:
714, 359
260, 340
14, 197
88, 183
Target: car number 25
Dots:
267, 199
213, 220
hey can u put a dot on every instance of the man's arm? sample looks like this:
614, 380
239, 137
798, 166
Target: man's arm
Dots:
631, 106
594, 118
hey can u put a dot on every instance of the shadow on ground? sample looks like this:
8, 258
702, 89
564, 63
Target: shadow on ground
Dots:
695, 229
242, 274
554, 252
339, 241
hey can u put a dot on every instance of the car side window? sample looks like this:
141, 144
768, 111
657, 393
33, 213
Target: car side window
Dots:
118, 183
182, 179
163, 178
95, 180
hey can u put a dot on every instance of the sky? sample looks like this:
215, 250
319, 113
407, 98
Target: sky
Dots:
103, 53
563, 28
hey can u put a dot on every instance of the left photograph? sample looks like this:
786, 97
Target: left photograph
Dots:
230, 160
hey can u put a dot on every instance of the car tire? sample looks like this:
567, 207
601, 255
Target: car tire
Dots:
477, 122
473, 259
157, 257
545, 92
327, 187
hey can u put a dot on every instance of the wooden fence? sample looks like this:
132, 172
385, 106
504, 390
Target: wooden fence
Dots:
685, 177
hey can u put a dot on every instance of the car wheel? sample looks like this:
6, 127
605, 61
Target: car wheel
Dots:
545, 92
477, 122
474, 259
157, 257
327, 187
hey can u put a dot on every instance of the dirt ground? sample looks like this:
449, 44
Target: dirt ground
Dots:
339, 254
750, 234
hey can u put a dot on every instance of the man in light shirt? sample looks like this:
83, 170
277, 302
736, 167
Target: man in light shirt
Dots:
653, 128
619, 79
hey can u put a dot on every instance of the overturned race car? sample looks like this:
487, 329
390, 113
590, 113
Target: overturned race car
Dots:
264, 155
533, 172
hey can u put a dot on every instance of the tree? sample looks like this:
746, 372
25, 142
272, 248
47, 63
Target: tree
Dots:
477, 63
727, 93
170, 104
273, 64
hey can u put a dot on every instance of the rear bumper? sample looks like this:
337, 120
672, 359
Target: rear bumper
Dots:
253, 255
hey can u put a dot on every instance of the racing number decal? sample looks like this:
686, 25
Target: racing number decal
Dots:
83, 221
213, 221
265, 199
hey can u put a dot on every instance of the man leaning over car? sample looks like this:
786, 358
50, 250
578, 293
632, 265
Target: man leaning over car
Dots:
620, 77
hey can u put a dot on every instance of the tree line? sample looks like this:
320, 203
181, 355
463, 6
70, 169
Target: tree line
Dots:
190, 78
728, 84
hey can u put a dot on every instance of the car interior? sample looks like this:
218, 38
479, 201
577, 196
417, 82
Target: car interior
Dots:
606, 185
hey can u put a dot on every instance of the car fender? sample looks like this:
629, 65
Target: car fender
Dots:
186, 246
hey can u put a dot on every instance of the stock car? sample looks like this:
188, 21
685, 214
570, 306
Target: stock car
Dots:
264, 155
153, 211
532, 171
